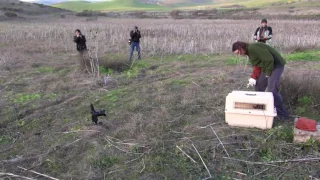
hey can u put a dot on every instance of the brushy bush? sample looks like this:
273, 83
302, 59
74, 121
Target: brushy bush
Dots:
297, 86
89, 13
11, 14
175, 14
115, 64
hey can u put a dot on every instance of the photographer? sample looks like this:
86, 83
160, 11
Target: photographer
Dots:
80, 40
135, 42
263, 33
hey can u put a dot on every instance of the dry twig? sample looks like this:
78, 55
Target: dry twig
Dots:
44, 175
202, 161
220, 141
186, 154
14, 175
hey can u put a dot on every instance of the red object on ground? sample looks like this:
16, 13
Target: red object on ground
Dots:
306, 124
256, 72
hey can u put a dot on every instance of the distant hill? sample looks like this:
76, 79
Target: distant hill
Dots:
25, 8
167, 5
120, 5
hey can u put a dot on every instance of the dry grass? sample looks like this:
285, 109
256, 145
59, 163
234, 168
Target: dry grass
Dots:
160, 36
163, 102
300, 89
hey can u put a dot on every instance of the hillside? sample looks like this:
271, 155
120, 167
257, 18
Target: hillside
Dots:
123, 5
16, 8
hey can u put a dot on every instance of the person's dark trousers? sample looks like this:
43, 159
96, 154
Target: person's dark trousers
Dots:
261, 83
134, 45
273, 86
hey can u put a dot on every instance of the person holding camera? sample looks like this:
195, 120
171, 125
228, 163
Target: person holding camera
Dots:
263, 33
134, 42
80, 41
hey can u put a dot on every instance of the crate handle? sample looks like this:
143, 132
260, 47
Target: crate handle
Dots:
250, 94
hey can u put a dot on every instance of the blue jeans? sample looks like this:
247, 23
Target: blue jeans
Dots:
132, 46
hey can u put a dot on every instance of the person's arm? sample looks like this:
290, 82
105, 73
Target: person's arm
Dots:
260, 56
75, 39
131, 34
139, 35
256, 72
255, 34
270, 33
84, 39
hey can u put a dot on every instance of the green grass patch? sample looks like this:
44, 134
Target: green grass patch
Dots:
46, 70
237, 60
303, 105
25, 98
303, 56
53, 166
4, 139
184, 57
105, 161
112, 98
104, 70
182, 82
114, 5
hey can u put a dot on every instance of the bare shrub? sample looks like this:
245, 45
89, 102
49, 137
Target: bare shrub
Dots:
115, 64
163, 36
175, 14
298, 84
11, 14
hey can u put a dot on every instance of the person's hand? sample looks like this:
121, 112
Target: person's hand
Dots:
267, 76
77, 35
252, 82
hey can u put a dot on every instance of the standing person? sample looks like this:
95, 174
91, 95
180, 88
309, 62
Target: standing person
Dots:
135, 42
80, 40
263, 33
272, 66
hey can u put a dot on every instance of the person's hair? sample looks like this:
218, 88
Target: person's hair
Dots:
136, 27
264, 21
237, 45
78, 30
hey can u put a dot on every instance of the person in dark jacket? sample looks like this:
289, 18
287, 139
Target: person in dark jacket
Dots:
263, 33
80, 40
135, 42
272, 66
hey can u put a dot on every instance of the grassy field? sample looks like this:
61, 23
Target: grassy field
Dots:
116, 5
165, 114
126, 5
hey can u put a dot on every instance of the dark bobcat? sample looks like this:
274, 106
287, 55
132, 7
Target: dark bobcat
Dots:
96, 114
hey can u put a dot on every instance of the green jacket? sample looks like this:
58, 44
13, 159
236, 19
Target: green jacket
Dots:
265, 57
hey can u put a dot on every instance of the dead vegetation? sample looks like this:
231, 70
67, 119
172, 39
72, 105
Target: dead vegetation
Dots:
165, 113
